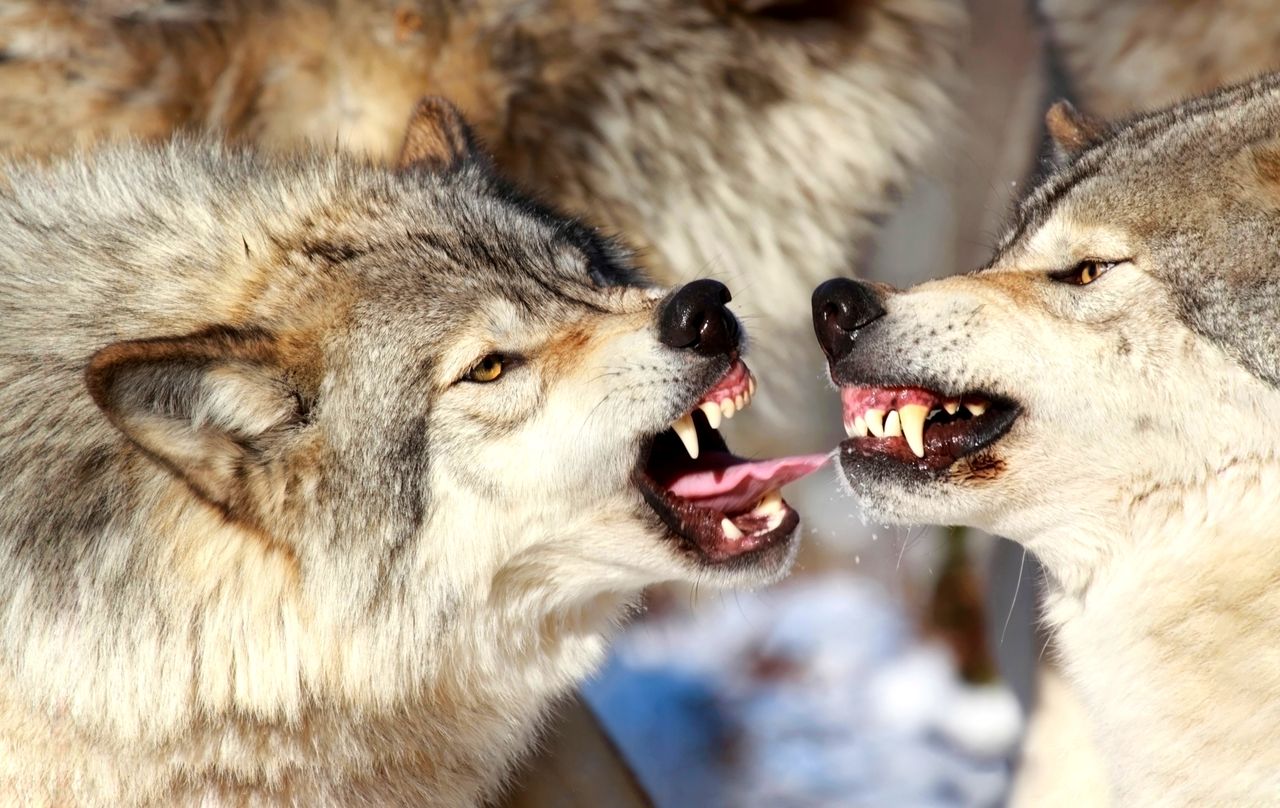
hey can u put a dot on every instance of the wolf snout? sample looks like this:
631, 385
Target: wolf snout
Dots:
697, 318
841, 308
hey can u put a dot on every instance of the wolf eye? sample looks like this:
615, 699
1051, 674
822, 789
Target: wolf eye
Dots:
1083, 273
487, 369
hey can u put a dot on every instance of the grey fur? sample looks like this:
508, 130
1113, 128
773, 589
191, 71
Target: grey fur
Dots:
287, 556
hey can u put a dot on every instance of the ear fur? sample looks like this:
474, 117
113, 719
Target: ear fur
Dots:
209, 406
437, 138
1071, 130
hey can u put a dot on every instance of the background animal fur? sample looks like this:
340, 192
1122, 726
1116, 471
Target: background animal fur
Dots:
1136, 296
1127, 56
758, 142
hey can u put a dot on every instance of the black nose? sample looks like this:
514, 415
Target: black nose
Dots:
841, 307
696, 318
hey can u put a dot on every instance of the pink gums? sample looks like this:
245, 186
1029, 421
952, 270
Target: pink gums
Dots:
736, 382
857, 400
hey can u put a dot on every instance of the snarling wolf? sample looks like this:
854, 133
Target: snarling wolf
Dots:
319, 481
1105, 392
759, 141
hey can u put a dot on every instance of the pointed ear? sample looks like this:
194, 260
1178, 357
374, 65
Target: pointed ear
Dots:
437, 138
1071, 130
211, 407
1261, 161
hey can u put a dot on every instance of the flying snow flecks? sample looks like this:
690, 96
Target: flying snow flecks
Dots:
814, 694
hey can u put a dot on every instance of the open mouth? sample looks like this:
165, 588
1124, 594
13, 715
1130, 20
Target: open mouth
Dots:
922, 428
725, 507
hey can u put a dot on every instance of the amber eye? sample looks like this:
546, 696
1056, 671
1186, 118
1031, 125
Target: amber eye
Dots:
487, 369
1083, 273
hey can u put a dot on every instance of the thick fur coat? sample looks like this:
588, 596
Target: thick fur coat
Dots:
1126, 341
265, 535
757, 142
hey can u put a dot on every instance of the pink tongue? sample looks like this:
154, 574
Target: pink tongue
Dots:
738, 487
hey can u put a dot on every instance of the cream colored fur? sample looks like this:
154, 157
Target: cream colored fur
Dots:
1144, 466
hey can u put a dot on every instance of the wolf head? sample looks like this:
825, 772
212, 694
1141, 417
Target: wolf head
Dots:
1123, 346
393, 407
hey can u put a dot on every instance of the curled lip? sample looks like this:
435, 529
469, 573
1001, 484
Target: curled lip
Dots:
921, 429
721, 508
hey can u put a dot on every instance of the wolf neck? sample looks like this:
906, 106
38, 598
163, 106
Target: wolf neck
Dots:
1172, 642
408, 701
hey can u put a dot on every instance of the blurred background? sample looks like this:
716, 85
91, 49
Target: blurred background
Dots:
768, 143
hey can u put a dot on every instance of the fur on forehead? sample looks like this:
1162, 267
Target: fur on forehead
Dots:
1213, 127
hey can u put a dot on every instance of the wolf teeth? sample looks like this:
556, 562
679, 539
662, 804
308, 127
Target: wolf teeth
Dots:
730, 530
892, 425
976, 408
688, 434
875, 422
912, 417
952, 406
712, 411
857, 428
769, 504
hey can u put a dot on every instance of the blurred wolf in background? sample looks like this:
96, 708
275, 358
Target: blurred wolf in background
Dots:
758, 141
1127, 56
1104, 392
318, 481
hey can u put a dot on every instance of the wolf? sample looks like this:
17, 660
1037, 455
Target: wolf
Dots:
1104, 392
1126, 56
692, 126
320, 481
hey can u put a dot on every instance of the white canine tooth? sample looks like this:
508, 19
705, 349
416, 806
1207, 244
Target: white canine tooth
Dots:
875, 422
952, 406
976, 408
912, 417
770, 503
712, 411
775, 520
751, 384
688, 434
859, 427
728, 407
731, 531
740, 402
892, 426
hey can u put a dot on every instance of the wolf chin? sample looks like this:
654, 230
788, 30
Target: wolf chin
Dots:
1105, 392
320, 481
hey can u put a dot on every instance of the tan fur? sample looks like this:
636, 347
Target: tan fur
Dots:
262, 541
1128, 56
756, 142
1144, 465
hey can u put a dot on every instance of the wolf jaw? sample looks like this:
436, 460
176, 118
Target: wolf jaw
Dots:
919, 431
722, 508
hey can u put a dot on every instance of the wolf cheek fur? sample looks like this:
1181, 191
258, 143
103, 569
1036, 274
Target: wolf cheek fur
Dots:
263, 536
1123, 348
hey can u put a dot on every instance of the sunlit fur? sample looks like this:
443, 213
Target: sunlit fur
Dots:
259, 541
1125, 56
755, 141
1144, 470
